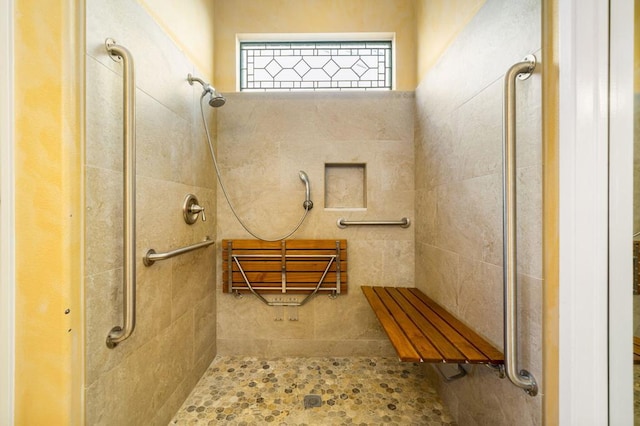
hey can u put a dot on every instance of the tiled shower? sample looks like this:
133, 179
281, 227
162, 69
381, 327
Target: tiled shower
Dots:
433, 156
145, 379
459, 200
263, 140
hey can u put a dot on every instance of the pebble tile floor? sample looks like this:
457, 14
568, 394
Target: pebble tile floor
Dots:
353, 391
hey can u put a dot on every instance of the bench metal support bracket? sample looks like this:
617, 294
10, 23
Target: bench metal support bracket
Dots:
458, 373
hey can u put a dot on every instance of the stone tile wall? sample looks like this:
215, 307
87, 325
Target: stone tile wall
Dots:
264, 139
459, 201
445, 176
146, 378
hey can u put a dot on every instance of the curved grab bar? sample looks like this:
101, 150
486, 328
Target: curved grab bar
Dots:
117, 333
152, 256
522, 379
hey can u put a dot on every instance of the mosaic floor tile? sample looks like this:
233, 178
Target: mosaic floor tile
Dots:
353, 391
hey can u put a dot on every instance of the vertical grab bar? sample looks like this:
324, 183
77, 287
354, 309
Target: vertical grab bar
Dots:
117, 333
523, 379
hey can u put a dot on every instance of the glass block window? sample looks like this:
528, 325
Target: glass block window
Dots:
290, 66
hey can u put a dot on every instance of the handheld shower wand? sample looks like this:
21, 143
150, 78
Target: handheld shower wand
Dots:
307, 204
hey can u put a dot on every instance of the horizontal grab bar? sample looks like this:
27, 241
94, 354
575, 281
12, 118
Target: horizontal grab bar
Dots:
403, 223
151, 257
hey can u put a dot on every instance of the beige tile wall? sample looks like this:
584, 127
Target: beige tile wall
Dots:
459, 201
146, 378
264, 139
447, 183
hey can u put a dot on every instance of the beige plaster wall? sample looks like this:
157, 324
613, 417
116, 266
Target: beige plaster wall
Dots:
438, 22
264, 139
313, 16
459, 201
146, 378
190, 26
48, 216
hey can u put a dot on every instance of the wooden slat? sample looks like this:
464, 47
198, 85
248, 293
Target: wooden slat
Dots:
424, 324
306, 286
315, 244
458, 340
251, 244
261, 265
291, 244
278, 290
437, 336
423, 346
266, 269
427, 348
276, 277
475, 339
398, 339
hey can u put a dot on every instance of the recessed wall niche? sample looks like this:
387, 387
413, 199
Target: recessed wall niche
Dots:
345, 186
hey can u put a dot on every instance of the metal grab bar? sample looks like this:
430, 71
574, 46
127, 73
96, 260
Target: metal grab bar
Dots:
117, 333
403, 223
152, 257
522, 379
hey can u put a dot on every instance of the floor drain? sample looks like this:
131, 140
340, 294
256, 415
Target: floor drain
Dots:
312, 401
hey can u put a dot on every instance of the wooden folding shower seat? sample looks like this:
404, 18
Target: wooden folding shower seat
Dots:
420, 330
299, 267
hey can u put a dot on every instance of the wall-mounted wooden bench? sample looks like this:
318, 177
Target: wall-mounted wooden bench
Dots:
420, 330
299, 267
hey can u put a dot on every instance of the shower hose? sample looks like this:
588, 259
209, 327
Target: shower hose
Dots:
226, 195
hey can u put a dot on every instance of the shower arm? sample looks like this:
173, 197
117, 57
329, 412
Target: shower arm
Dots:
191, 79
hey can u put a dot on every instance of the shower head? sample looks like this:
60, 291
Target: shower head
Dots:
216, 100
307, 204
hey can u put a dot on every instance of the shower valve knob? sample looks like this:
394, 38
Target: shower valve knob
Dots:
191, 209
195, 209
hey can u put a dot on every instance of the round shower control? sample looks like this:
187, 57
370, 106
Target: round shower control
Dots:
191, 209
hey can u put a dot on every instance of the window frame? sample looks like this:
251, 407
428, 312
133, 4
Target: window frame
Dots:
317, 38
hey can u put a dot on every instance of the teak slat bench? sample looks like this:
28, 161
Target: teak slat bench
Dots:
420, 330
287, 266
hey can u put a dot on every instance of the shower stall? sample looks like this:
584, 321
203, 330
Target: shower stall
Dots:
431, 156
145, 378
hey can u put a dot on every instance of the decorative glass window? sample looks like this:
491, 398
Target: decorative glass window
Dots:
319, 65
